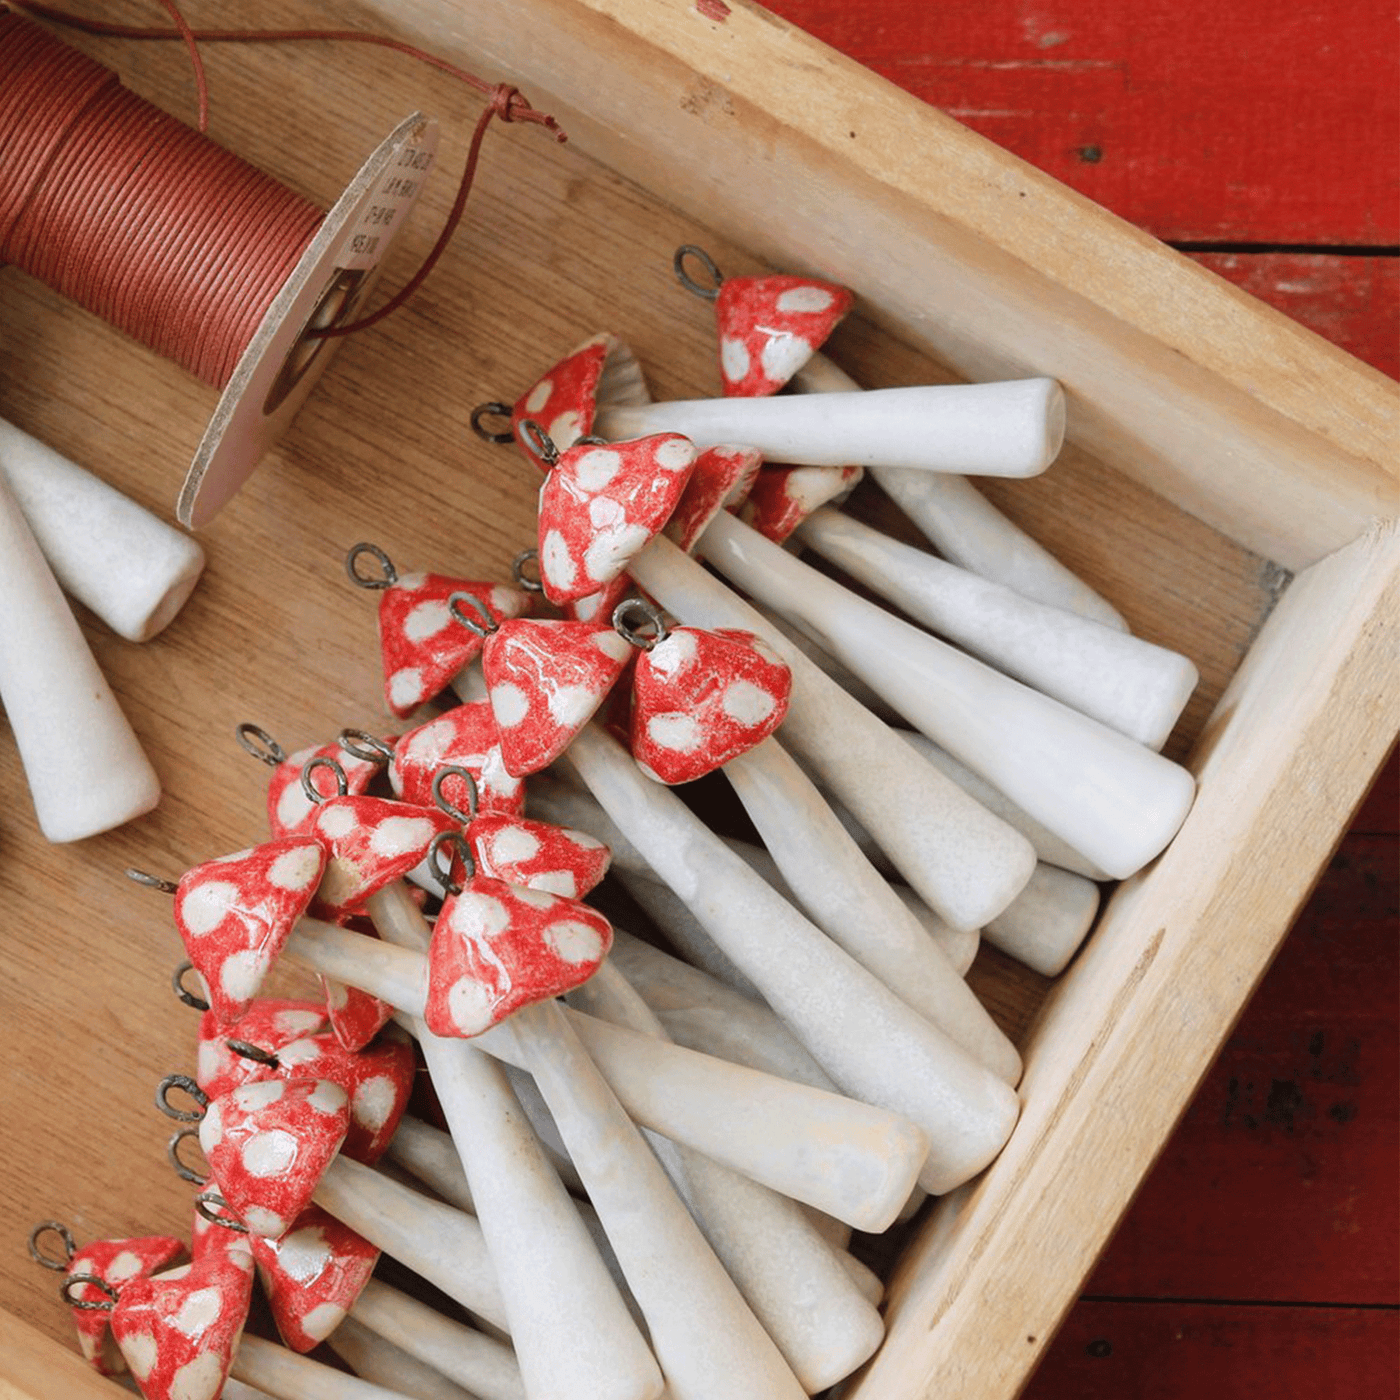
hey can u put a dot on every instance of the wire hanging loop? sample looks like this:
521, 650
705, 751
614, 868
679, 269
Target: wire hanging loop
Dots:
706, 291
177, 981
246, 1050
531, 584
494, 409
483, 626
65, 1291
314, 795
260, 744
539, 442
188, 1086
368, 748
212, 1207
48, 1261
151, 882
182, 1169
647, 616
443, 873
453, 770
388, 574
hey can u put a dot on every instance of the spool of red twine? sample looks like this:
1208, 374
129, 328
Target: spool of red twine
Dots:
133, 215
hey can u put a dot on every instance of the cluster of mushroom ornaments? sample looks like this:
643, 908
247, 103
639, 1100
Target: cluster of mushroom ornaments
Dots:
643, 1158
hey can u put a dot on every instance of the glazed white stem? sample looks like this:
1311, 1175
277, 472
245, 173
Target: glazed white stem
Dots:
131, 568
792, 1279
1014, 428
843, 894
760, 1125
708, 1342
288, 1376
374, 1359
443, 1245
965, 863
85, 768
470, 1358
1115, 800
869, 1041
1133, 686
966, 527
573, 1334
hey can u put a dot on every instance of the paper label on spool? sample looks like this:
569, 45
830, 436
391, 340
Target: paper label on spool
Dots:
393, 196
331, 283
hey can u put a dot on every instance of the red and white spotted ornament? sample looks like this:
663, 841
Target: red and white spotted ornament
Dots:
268, 1145
463, 737
538, 854
372, 842
268, 1024
783, 497
498, 947
563, 401
545, 679
421, 644
117, 1263
601, 504
289, 809
721, 480
178, 1333
234, 914
701, 698
769, 327
313, 1275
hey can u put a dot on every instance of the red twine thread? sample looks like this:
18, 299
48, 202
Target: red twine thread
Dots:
143, 220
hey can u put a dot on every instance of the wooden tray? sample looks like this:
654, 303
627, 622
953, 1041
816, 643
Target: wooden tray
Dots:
1229, 484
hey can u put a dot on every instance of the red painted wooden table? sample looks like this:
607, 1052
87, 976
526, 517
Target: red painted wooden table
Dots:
1260, 1259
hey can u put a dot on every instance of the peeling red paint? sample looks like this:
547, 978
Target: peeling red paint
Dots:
713, 9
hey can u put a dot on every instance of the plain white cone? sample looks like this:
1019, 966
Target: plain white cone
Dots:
85, 768
114, 556
1115, 800
1014, 428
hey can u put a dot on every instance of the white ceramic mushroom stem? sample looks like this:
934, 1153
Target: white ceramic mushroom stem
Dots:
288, 1376
131, 568
468, 1357
788, 1274
374, 1359
869, 1041
443, 1245
1111, 798
707, 1340
572, 1332
1013, 428
85, 768
843, 894
763, 1126
965, 863
1131, 685
966, 527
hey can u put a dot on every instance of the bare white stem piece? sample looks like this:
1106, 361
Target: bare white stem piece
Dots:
85, 767
470, 1358
1133, 686
792, 1279
1048, 921
1014, 428
240, 1390
289, 1376
1115, 800
966, 527
965, 863
572, 1332
443, 1245
131, 568
869, 1041
373, 1359
854, 1160
708, 1342
711, 1016
843, 894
